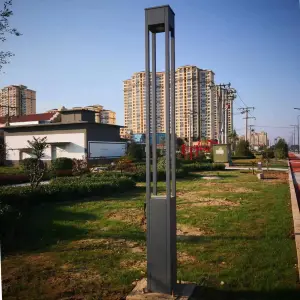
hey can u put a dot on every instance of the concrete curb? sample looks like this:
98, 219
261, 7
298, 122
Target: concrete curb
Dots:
250, 168
296, 215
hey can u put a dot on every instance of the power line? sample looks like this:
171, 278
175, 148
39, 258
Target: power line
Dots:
243, 102
268, 126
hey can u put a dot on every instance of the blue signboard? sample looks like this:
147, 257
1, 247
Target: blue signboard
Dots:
140, 138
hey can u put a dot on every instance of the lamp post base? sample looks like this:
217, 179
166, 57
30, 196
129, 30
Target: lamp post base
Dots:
183, 291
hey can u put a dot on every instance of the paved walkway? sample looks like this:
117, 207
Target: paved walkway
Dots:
27, 184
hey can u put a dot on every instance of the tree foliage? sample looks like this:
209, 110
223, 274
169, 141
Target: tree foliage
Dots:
5, 30
3, 152
242, 149
179, 142
233, 139
135, 151
281, 149
34, 166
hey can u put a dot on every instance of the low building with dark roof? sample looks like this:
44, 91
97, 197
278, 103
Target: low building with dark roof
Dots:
73, 139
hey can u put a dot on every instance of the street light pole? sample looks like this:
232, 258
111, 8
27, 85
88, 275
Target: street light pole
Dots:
294, 134
298, 133
298, 130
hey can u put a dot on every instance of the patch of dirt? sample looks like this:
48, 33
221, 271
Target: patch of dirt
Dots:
133, 264
127, 215
216, 188
38, 262
275, 177
184, 193
193, 199
188, 230
108, 242
185, 258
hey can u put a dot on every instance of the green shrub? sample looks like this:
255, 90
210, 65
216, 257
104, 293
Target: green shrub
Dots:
25, 163
243, 157
198, 167
62, 163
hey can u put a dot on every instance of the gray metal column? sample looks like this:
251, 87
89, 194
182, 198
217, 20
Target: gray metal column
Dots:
153, 72
161, 210
226, 116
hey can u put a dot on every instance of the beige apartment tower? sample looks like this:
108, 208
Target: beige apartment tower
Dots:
17, 100
194, 98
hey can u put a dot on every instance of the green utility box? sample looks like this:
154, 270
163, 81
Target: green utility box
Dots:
221, 153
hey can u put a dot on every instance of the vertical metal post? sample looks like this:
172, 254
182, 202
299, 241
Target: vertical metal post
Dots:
167, 104
173, 251
298, 135
148, 167
161, 210
246, 125
223, 115
220, 113
226, 117
173, 134
154, 159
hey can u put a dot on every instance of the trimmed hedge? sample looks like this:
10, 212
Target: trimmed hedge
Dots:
9, 179
138, 176
62, 163
65, 189
243, 157
198, 167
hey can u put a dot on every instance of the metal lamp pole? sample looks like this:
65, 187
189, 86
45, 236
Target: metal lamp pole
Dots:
294, 134
298, 131
161, 210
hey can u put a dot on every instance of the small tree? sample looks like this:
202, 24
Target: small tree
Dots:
3, 152
34, 166
179, 143
233, 138
281, 149
135, 151
5, 30
79, 166
242, 149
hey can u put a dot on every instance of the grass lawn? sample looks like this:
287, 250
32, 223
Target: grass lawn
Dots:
272, 164
234, 240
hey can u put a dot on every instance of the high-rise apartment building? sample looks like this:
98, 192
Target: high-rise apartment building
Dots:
135, 103
259, 139
17, 100
194, 98
108, 117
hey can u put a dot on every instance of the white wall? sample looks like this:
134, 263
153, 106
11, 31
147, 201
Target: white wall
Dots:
23, 123
75, 149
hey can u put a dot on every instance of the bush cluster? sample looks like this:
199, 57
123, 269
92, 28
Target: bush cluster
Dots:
198, 167
243, 157
62, 163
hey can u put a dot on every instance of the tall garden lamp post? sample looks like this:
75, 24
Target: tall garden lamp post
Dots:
161, 210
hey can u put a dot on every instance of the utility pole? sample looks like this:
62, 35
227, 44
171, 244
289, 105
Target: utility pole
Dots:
294, 135
246, 110
252, 142
223, 94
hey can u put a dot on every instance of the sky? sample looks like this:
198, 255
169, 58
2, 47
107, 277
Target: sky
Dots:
77, 53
